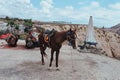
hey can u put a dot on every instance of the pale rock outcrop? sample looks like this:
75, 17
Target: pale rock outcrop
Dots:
108, 42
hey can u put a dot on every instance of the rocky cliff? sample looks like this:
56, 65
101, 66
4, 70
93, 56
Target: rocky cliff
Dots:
108, 42
115, 29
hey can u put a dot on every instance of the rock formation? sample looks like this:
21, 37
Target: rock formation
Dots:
108, 42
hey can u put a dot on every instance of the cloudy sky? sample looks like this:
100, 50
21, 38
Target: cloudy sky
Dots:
105, 12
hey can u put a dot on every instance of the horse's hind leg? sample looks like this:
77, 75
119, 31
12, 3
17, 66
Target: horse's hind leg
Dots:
43, 59
51, 59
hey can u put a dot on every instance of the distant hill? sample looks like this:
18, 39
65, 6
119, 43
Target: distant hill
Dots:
116, 29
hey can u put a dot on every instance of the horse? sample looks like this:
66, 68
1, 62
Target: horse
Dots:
31, 41
12, 40
55, 44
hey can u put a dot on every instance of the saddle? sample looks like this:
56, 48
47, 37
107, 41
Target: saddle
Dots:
48, 34
9, 37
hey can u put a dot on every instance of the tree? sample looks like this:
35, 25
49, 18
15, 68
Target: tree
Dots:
16, 27
7, 18
28, 24
11, 23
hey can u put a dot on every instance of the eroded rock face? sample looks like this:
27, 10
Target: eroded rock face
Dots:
108, 42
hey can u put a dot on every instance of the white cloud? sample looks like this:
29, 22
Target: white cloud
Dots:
102, 16
67, 11
23, 1
115, 6
81, 3
95, 4
47, 6
18, 8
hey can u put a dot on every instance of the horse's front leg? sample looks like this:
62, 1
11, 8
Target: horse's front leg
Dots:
51, 59
57, 58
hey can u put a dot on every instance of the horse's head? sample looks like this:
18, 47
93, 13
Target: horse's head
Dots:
71, 37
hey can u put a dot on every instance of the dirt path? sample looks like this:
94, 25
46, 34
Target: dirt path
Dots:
22, 64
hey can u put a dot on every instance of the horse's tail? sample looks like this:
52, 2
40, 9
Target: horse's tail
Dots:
43, 48
41, 45
43, 52
45, 55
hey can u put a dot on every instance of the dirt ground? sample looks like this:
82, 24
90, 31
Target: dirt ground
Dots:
19, 63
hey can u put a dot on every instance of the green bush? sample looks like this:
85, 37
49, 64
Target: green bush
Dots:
3, 32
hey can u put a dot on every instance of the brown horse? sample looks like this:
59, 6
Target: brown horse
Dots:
55, 43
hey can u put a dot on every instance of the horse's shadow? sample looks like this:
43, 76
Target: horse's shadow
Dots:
32, 66
25, 69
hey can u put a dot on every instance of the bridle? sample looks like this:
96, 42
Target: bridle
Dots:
70, 36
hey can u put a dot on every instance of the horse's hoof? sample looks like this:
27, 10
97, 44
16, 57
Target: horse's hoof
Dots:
43, 63
57, 69
49, 68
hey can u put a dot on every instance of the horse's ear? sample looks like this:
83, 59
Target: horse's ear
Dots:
74, 29
70, 29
